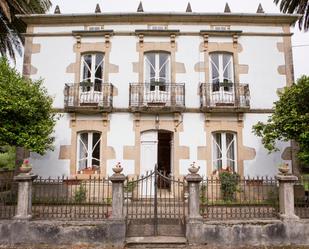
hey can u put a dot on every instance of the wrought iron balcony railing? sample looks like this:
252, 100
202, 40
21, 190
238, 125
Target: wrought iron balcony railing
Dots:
88, 95
156, 95
224, 95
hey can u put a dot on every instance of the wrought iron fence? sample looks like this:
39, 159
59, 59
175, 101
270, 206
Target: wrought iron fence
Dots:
224, 95
8, 197
88, 94
301, 196
157, 95
153, 202
73, 199
239, 198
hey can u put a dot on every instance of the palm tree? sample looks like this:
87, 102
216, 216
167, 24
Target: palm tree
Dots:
11, 27
296, 7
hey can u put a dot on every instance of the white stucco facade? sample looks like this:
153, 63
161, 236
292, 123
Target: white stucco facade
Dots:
259, 54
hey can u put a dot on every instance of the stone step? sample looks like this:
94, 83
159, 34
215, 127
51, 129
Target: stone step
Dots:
156, 242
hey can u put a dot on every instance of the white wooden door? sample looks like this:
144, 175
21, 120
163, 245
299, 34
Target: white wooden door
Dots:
149, 152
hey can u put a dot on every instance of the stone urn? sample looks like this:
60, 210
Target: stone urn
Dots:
117, 169
193, 169
284, 169
25, 167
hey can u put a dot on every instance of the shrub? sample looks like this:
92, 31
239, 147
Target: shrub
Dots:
80, 194
229, 183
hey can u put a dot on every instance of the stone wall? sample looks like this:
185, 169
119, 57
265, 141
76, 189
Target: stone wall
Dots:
109, 232
249, 233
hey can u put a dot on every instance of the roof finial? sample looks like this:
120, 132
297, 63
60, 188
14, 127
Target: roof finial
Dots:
227, 8
57, 10
140, 7
260, 9
97, 9
189, 9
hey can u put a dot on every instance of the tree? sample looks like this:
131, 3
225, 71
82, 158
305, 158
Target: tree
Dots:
26, 115
11, 27
296, 7
7, 157
290, 120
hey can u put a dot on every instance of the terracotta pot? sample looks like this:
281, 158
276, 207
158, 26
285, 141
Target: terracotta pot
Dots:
88, 171
25, 169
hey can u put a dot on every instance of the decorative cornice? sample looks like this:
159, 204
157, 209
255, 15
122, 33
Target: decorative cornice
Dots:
149, 32
185, 110
220, 32
91, 33
170, 17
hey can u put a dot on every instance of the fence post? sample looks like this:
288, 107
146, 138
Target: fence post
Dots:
24, 200
286, 196
117, 180
194, 195
195, 220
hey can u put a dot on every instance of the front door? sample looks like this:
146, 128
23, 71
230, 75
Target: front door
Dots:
154, 200
156, 149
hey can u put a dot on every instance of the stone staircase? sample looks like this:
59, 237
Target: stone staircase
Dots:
156, 242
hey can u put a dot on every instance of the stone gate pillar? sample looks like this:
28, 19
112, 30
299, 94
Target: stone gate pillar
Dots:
117, 221
194, 221
24, 199
286, 196
117, 180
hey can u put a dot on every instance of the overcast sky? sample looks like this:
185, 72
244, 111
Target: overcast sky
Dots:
300, 39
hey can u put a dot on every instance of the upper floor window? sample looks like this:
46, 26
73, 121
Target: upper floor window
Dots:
157, 67
224, 151
221, 68
92, 67
88, 150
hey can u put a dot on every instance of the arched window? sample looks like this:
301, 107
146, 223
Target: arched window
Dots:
91, 78
88, 150
157, 67
224, 151
221, 78
221, 68
92, 69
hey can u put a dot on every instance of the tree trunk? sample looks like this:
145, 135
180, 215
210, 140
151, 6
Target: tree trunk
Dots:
296, 167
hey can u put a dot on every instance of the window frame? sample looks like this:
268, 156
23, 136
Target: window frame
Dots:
221, 68
157, 69
224, 151
93, 69
90, 148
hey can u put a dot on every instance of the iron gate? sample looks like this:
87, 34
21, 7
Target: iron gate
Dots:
155, 205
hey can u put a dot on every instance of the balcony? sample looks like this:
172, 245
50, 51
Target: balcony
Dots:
157, 97
224, 96
88, 96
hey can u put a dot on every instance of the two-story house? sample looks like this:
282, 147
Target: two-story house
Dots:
160, 88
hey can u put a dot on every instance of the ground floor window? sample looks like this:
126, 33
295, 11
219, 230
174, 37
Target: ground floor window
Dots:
88, 151
224, 151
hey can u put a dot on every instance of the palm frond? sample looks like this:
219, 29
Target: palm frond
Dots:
11, 28
296, 7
